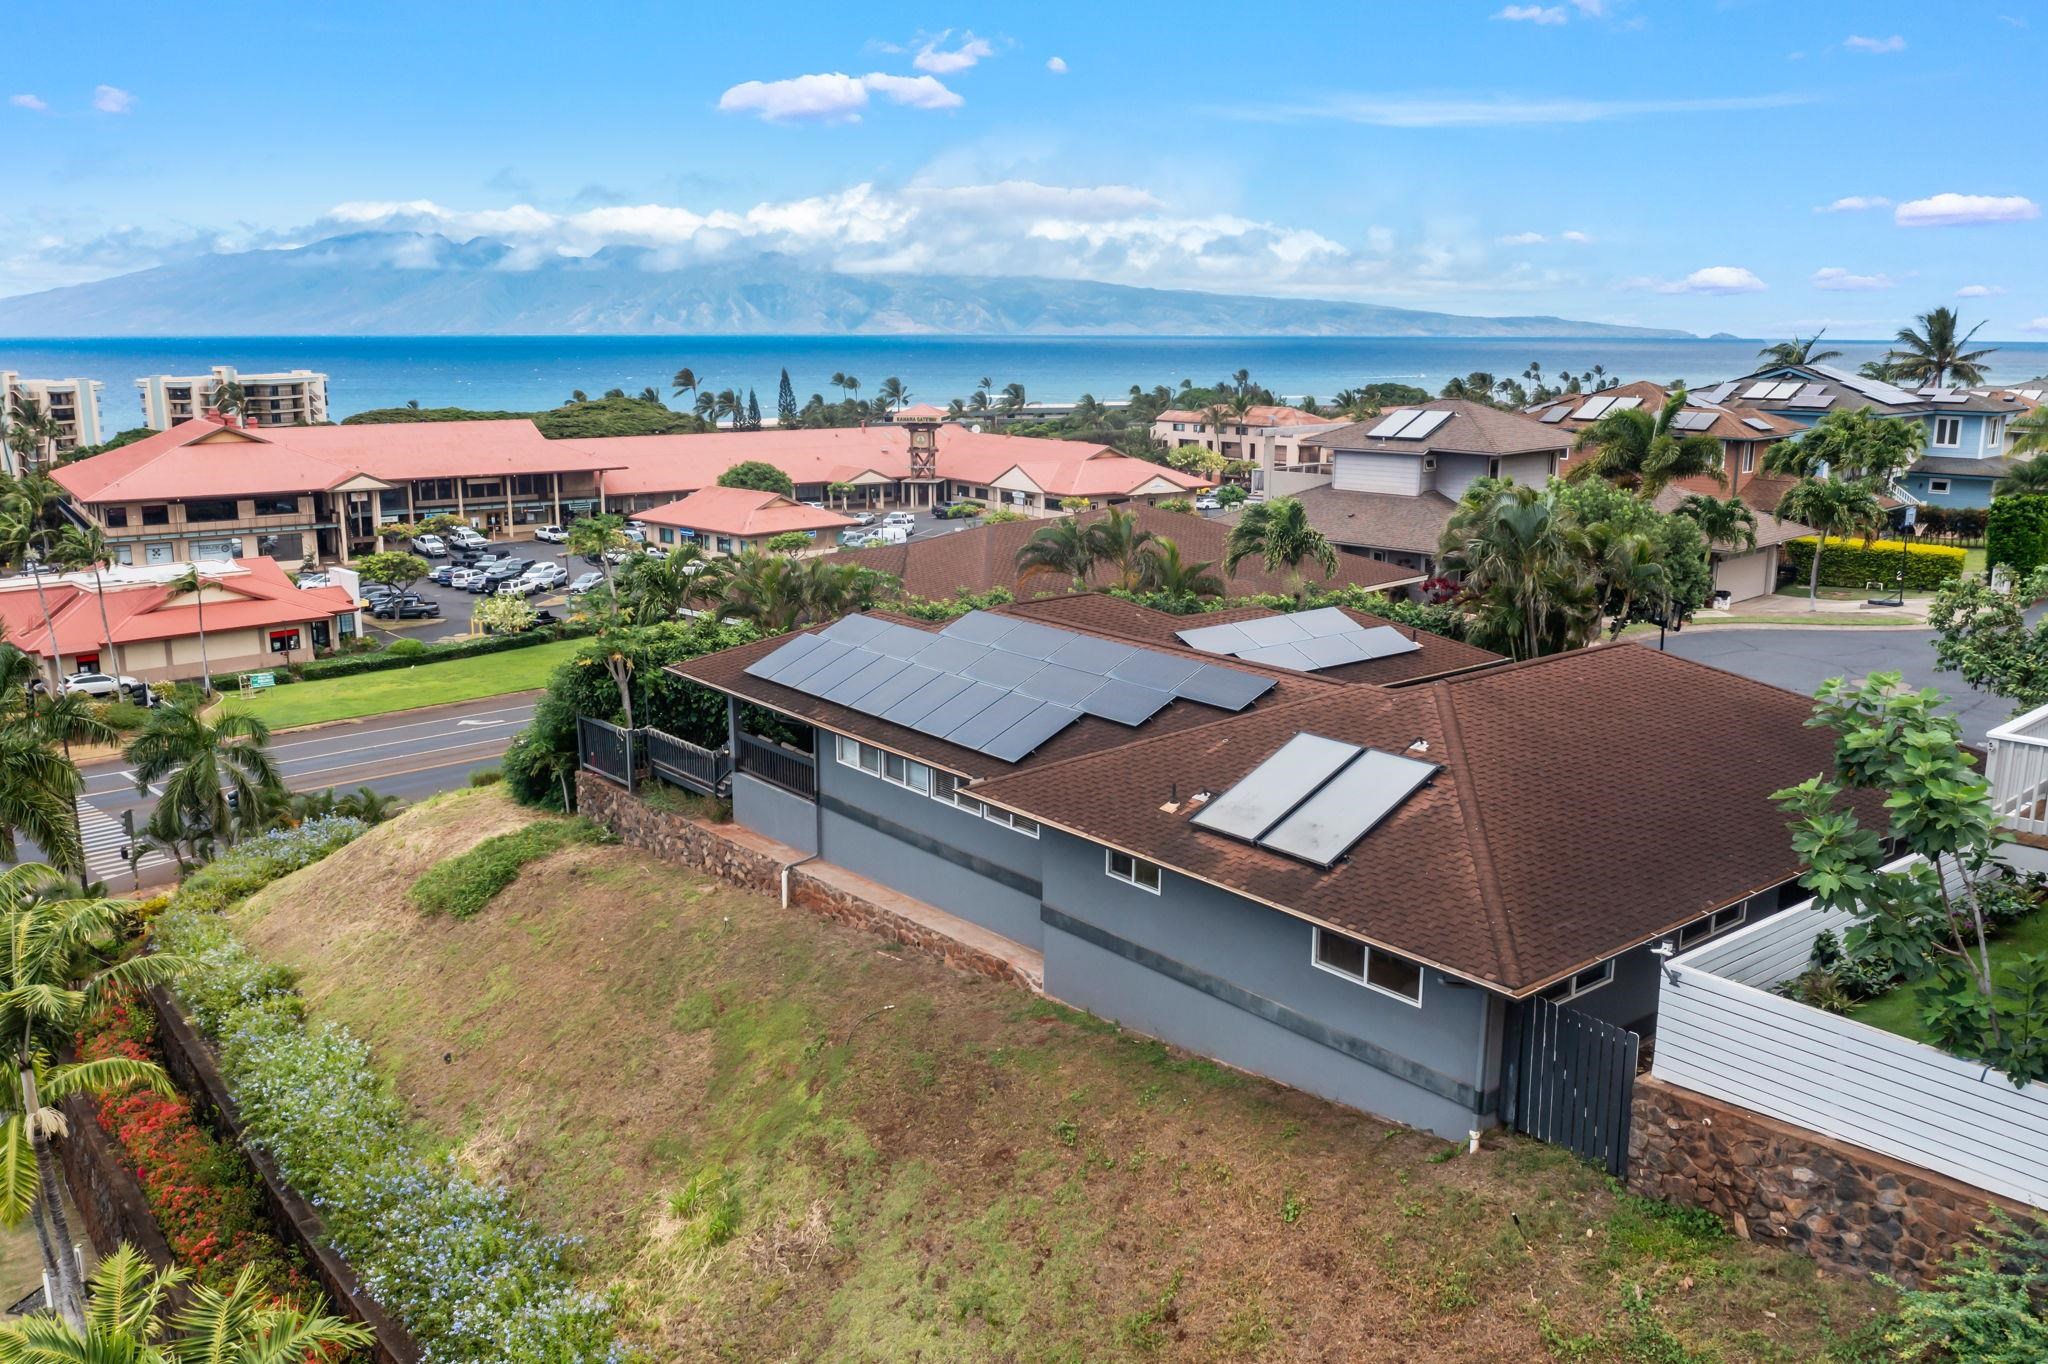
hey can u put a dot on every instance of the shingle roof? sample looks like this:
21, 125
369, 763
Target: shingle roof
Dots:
1589, 802
1769, 529
742, 512
1413, 523
1957, 466
984, 557
1474, 428
1259, 414
1728, 423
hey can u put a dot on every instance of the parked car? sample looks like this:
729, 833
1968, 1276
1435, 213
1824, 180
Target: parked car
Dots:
635, 534
554, 535
444, 574
407, 607
863, 518
104, 686
584, 582
857, 539
312, 580
1208, 502
461, 578
433, 546
466, 537
899, 518
499, 574
548, 573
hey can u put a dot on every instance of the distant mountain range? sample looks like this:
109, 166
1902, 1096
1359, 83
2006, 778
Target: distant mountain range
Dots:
383, 283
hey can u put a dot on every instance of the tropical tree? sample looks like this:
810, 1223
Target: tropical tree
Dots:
231, 398
684, 381
844, 492
759, 475
1013, 399
655, 588
2030, 433
32, 431
1527, 569
190, 582
216, 777
128, 1319
1116, 540
891, 394
494, 613
1063, 548
1728, 522
785, 402
1797, 351
1854, 444
1934, 355
597, 537
1476, 387
778, 593
2021, 477
1634, 449
1161, 569
1277, 533
393, 569
85, 547
58, 961
1832, 508
39, 784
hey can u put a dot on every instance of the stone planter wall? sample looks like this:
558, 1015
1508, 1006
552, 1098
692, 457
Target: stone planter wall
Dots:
1848, 1209
111, 1206
742, 858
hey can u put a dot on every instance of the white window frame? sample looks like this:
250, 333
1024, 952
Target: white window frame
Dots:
1937, 485
1577, 984
1712, 925
1954, 426
1135, 877
1749, 458
876, 762
1994, 432
1315, 959
946, 791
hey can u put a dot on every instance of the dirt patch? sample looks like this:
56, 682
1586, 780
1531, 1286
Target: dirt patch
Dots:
780, 1141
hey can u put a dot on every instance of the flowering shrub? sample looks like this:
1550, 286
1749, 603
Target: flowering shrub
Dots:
256, 862
452, 1258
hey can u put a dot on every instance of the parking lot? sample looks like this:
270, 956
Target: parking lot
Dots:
455, 602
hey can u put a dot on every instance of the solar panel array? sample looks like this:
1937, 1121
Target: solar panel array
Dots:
1313, 798
1302, 642
1624, 404
1875, 389
996, 684
1556, 414
1719, 393
1408, 423
1756, 423
1691, 420
1593, 409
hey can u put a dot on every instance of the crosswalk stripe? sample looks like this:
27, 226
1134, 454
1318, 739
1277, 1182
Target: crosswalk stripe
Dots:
104, 838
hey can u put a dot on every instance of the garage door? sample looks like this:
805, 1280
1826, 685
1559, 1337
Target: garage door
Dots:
1743, 576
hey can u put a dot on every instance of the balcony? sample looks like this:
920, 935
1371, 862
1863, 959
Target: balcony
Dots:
786, 768
2017, 767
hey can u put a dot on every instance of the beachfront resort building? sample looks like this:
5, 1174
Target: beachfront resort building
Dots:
72, 405
292, 398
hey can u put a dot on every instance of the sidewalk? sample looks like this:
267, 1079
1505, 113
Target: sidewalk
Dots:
1836, 607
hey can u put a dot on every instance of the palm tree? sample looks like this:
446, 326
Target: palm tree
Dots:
1797, 351
652, 589
2023, 476
39, 784
32, 430
215, 776
1832, 508
1065, 548
1277, 532
892, 394
685, 381
1727, 522
231, 397
57, 964
778, 593
1116, 540
191, 581
651, 396
704, 406
80, 547
1855, 444
1934, 356
1633, 449
1013, 399
1162, 570
127, 1320
729, 403
1527, 571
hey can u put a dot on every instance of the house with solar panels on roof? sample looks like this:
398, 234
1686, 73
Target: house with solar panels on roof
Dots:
1364, 861
1968, 430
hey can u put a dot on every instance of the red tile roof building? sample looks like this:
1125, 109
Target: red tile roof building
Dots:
736, 520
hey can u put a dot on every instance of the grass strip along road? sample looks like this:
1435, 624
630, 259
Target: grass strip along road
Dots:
430, 684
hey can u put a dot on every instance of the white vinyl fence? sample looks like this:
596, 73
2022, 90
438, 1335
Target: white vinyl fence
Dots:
2017, 767
1721, 1032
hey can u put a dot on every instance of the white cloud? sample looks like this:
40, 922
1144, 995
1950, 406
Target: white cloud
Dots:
1949, 210
1855, 203
30, 102
1523, 239
112, 99
2038, 326
1480, 111
1533, 14
1576, 238
1980, 291
1856, 42
1056, 65
939, 62
1592, 9
1712, 279
833, 97
1836, 279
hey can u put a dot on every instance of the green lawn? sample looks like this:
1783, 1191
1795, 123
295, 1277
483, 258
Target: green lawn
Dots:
1973, 562
1898, 1011
429, 684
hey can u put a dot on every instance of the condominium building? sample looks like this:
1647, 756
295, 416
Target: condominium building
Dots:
293, 398
73, 404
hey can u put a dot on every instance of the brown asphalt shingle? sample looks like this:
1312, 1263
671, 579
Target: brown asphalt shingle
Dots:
1398, 521
1474, 428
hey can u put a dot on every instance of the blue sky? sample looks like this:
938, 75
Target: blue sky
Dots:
1748, 167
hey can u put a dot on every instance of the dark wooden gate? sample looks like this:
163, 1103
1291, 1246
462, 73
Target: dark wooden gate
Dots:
1568, 1079
607, 749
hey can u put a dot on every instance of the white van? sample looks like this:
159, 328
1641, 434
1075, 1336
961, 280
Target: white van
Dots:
888, 534
899, 518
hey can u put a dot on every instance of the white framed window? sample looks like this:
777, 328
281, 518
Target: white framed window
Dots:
946, 789
893, 768
1948, 431
1994, 432
1720, 921
1135, 870
1343, 955
1937, 485
1580, 982
1180, 426
1749, 459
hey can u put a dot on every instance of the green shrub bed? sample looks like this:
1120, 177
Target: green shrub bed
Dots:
1858, 563
351, 665
463, 885
472, 1280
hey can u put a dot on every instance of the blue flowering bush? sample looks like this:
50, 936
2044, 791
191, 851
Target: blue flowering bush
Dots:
449, 1256
256, 862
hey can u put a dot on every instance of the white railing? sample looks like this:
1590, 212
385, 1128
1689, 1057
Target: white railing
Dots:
1722, 1032
2017, 766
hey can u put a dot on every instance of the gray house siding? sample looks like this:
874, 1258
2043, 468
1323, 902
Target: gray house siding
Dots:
932, 851
1207, 970
1363, 473
1455, 473
775, 812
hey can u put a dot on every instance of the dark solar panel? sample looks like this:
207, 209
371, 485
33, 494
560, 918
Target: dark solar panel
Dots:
1018, 741
948, 717
1347, 807
1125, 702
1162, 672
901, 641
1062, 686
1384, 641
855, 629
901, 687
811, 664
980, 728
769, 664
980, 627
1216, 639
1001, 669
926, 699
1270, 630
1332, 651
949, 655
1288, 656
1226, 688
852, 689
837, 671
1324, 620
1091, 655
1036, 641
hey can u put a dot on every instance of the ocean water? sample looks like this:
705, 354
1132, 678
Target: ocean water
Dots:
524, 373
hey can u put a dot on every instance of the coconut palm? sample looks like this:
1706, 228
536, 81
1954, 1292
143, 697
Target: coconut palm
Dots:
1013, 399
1635, 449
85, 547
39, 784
1855, 444
779, 593
128, 1319
231, 398
653, 588
1797, 351
58, 962
2030, 433
1116, 540
2023, 476
192, 582
1934, 355
1278, 534
891, 394
215, 777
32, 431
1064, 548
1729, 522
704, 406
1161, 569
1832, 508
685, 381
1527, 571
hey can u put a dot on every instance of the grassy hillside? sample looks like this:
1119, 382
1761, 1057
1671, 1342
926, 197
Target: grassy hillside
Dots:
782, 1139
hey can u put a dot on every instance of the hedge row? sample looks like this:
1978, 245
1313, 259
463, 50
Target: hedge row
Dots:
1859, 563
351, 665
2016, 532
